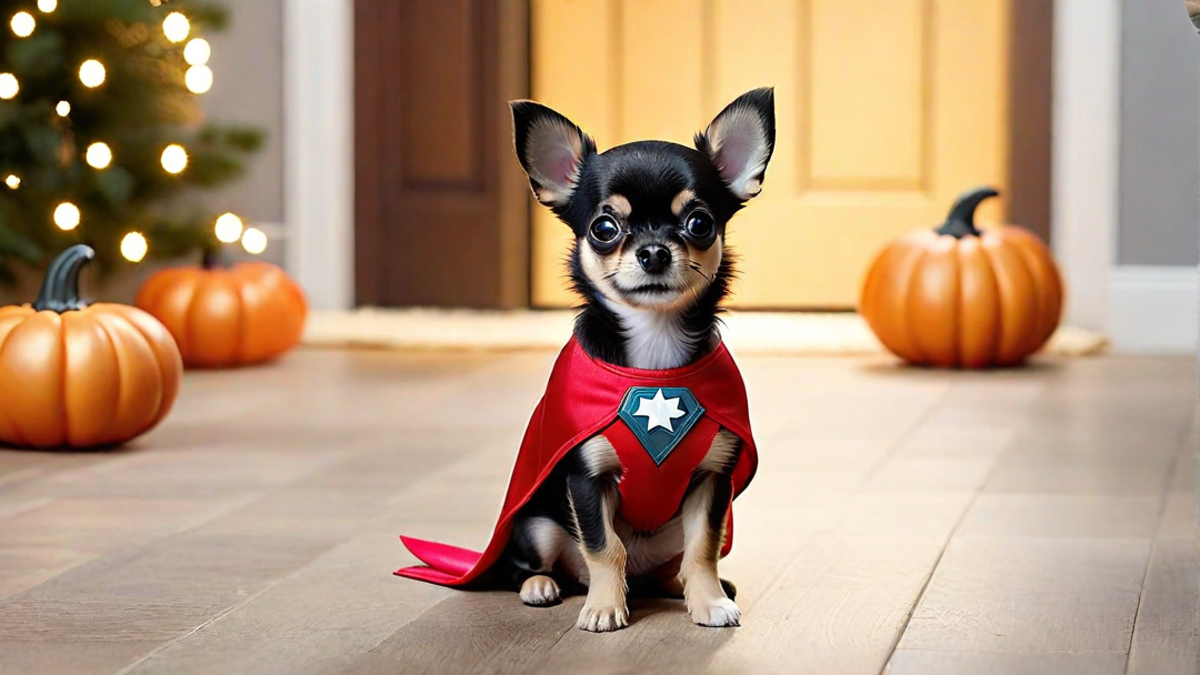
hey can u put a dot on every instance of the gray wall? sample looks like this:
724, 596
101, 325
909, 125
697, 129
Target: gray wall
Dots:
1160, 135
247, 64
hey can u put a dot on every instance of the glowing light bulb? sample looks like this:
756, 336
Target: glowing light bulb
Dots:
176, 27
197, 52
23, 24
229, 228
13, 181
91, 73
174, 158
134, 247
254, 240
47, 6
66, 216
8, 86
63, 108
99, 155
199, 79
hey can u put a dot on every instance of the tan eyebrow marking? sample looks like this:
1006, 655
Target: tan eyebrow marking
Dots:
681, 200
619, 204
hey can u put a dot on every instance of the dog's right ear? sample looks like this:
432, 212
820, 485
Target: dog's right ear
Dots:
551, 150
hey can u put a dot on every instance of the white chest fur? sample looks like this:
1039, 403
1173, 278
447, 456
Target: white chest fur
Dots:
655, 340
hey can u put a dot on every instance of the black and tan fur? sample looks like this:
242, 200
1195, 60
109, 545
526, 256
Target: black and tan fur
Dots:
651, 265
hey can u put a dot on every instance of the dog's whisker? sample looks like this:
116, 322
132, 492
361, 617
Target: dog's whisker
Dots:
698, 270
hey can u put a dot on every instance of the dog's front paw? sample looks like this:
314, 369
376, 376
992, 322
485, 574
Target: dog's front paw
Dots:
719, 613
603, 619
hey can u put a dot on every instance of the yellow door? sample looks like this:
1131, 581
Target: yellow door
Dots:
885, 110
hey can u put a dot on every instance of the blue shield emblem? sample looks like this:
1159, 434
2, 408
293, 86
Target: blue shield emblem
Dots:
660, 417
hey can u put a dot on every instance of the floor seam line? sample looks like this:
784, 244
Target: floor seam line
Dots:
1163, 502
893, 448
1141, 599
925, 586
936, 563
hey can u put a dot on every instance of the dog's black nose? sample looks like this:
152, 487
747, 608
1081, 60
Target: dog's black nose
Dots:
654, 258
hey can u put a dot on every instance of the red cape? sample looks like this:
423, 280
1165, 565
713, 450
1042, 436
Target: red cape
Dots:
582, 398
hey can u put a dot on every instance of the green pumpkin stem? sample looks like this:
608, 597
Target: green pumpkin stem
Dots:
961, 221
60, 288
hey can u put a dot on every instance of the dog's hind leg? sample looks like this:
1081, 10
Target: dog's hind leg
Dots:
537, 543
540, 590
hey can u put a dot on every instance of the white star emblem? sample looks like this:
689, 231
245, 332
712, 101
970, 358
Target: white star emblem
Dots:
659, 411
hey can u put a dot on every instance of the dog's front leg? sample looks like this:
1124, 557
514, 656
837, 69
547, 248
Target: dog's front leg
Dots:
592, 489
704, 512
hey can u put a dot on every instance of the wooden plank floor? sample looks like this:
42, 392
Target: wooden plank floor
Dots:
903, 521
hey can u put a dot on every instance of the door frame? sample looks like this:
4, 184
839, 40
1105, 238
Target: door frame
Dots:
1086, 154
1065, 89
318, 50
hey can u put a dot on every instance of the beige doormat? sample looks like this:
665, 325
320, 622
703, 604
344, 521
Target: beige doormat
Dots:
776, 333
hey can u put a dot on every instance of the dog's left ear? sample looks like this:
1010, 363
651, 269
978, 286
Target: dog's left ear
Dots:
740, 141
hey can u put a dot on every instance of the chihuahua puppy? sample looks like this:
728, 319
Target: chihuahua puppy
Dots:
651, 264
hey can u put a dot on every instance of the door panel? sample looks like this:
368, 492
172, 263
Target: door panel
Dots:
886, 109
864, 91
441, 207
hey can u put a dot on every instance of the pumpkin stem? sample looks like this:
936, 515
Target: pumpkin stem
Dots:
60, 288
212, 258
961, 221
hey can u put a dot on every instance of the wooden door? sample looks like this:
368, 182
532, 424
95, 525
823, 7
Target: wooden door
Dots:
441, 205
886, 109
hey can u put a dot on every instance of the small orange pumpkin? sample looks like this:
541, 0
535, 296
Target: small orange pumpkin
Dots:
227, 316
79, 376
957, 296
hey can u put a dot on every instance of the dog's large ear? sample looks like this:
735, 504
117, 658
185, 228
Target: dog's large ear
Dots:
740, 141
551, 150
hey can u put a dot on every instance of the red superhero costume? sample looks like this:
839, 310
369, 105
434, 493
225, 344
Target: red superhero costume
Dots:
661, 423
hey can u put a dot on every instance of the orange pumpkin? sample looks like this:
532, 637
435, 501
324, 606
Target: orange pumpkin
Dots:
227, 316
957, 296
77, 375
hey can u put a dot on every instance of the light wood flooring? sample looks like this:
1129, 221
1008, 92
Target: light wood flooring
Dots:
903, 521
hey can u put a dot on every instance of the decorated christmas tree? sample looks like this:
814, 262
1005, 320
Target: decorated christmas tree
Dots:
102, 140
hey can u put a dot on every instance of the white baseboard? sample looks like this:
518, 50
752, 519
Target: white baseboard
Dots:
1152, 310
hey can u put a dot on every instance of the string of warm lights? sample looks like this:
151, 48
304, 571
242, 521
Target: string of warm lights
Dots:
198, 79
23, 24
66, 216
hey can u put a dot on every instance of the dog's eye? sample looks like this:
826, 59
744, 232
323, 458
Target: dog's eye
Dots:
700, 225
604, 230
